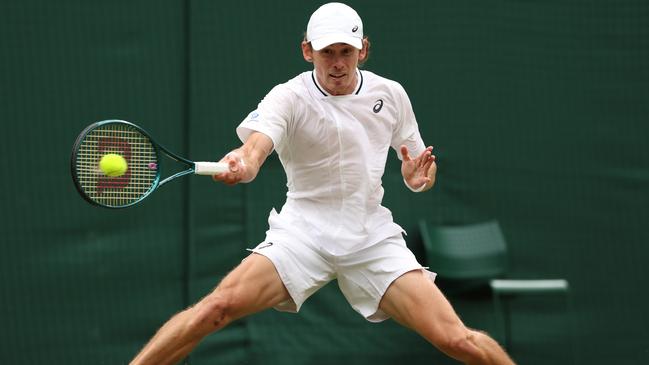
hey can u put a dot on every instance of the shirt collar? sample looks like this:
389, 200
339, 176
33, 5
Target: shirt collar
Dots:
359, 83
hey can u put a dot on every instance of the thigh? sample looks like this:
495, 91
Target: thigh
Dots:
302, 269
414, 301
254, 285
365, 275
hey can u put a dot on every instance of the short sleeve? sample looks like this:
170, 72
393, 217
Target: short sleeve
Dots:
406, 131
271, 117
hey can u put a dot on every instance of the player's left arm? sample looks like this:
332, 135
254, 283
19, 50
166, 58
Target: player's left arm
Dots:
419, 172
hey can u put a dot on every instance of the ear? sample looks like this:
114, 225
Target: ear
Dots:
307, 51
364, 52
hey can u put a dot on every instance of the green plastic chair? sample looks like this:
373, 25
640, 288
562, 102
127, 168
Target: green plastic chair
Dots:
478, 253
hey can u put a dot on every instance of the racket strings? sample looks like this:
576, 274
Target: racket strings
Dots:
140, 156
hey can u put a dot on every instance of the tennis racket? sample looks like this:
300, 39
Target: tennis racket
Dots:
142, 155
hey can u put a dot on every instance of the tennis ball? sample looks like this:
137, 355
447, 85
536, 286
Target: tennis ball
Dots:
113, 165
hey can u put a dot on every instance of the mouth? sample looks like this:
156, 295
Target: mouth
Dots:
337, 76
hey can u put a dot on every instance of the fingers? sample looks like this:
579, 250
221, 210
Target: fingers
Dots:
430, 167
404, 153
426, 157
426, 166
235, 164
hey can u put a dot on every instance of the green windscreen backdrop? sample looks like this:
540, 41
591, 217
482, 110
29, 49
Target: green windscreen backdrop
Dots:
538, 112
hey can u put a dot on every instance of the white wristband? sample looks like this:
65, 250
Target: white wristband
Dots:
421, 188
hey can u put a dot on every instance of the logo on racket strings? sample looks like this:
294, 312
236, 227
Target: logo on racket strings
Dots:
114, 145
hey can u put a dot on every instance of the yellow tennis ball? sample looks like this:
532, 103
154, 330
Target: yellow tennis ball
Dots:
113, 165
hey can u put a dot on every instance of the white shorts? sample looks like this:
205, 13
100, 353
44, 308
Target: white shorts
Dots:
363, 276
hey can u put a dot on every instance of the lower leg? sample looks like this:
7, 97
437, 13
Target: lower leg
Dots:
414, 301
178, 336
253, 286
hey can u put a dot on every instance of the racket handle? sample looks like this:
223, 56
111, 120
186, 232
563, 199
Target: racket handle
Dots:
210, 168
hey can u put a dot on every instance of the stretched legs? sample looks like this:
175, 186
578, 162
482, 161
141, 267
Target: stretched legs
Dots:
412, 300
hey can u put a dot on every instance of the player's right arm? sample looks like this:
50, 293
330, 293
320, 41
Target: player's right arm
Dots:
245, 161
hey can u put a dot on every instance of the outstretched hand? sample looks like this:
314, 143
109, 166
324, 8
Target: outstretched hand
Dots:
237, 172
244, 162
420, 171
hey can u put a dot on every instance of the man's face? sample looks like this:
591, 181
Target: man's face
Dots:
335, 66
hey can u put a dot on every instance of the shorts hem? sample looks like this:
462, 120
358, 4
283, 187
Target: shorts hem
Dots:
378, 315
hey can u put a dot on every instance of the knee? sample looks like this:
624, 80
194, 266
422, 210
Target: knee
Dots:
211, 314
462, 343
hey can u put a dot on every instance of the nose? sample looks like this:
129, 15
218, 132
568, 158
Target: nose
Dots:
339, 63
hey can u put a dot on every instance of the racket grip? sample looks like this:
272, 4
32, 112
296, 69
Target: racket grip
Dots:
210, 168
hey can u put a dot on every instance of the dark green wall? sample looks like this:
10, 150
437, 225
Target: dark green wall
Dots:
537, 111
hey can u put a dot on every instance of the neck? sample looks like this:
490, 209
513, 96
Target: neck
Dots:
341, 91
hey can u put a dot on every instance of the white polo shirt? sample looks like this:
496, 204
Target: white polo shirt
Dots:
334, 150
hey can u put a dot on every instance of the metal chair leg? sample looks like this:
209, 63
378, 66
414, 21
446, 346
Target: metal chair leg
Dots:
501, 331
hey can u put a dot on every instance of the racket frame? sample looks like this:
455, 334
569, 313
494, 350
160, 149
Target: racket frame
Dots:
157, 149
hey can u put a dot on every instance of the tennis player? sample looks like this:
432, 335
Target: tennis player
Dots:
332, 128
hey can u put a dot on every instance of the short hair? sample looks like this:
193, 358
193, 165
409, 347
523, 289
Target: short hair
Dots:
367, 48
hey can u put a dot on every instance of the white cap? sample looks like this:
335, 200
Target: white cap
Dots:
334, 23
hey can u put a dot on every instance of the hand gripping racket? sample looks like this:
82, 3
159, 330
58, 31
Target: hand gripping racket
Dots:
143, 160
